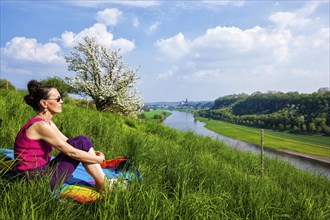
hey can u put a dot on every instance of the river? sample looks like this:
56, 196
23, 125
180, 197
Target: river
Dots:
185, 121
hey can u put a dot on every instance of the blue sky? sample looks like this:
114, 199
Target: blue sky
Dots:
199, 50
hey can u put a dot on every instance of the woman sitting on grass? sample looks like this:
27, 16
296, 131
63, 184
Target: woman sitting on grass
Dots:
39, 136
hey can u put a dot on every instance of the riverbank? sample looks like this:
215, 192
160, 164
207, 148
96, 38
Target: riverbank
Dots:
320, 159
312, 148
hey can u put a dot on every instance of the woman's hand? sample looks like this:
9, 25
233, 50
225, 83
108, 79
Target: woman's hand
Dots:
100, 154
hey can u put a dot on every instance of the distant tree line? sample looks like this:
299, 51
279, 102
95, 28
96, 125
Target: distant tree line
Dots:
292, 111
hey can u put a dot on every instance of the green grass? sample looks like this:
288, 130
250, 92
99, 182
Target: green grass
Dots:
185, 176
150, 115
312, 145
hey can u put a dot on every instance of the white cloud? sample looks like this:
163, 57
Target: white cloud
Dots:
99, 4
174, 47
68, 39
224, 2
98, 31
322, 39
167, 75
136, 3
136, 22
309, 8
290, 55
231, 38
293, 31
268, 44
319, 40
221, 43
206, 75
299, 19
288, 20
280, 41
109, 17
153, 27
23, 59
28, 49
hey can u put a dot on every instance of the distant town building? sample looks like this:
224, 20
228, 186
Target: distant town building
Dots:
184, 101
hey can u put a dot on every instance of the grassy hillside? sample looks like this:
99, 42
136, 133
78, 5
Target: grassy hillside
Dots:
185, 176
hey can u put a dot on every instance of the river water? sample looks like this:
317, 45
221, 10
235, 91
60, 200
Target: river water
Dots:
185, 121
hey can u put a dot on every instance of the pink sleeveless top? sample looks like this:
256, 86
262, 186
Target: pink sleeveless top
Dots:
31, 153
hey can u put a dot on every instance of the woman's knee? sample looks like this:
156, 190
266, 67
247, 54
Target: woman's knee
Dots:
81, 143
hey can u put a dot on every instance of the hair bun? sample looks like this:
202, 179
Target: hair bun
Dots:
33, 86
29, 99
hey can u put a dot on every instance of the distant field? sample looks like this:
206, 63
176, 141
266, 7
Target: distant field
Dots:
312, 145
150, 115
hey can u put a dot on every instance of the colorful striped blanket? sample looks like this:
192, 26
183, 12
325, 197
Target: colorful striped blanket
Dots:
80, 187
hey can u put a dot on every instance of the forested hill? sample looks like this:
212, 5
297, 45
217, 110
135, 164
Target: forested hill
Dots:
292, 111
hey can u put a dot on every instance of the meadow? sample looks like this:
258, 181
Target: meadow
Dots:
307, 144
185, 176
150, 116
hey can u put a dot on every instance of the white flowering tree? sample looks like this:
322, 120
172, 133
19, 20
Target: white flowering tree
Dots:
102, 75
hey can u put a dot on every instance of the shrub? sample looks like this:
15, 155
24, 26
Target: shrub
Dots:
5, 84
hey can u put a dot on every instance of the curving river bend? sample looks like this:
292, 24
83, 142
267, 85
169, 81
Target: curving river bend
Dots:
185, 121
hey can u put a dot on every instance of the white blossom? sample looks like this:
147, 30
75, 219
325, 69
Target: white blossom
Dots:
102, 75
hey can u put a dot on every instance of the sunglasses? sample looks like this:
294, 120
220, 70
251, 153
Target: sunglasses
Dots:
58, 99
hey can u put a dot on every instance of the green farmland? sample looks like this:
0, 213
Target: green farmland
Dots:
306, 144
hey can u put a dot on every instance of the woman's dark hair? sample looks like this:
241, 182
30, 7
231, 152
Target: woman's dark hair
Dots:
37, 92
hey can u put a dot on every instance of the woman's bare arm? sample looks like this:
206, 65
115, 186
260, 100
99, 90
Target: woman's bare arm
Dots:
44, 131
59, 133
